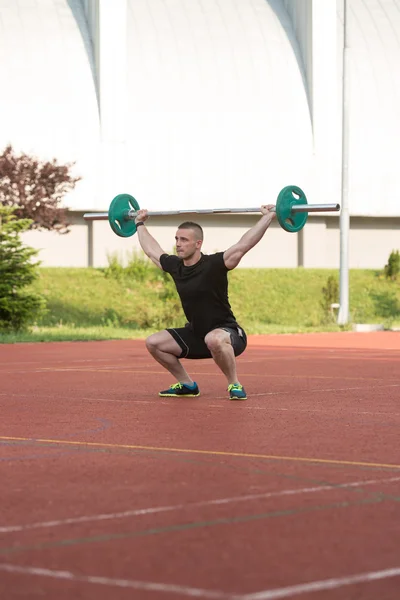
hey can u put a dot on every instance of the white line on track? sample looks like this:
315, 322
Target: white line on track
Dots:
327, 584
50, 371
121, 583
157, 402
274, 594
218, 501
301, 410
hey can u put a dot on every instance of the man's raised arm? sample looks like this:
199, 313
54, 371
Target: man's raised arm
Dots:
234, 254
149, 245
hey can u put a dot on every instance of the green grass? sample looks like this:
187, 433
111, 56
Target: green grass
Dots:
64, 333
292, 297
116, 303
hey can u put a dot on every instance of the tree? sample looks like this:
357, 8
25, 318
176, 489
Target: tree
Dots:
18, 307
392, 268
36, 189
330, 296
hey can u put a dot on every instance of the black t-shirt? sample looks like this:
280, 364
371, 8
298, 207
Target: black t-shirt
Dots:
203, 290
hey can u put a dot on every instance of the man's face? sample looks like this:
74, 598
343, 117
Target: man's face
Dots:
186, 243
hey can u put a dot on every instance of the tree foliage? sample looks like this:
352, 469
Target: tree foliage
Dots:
18, 307
330, 295
36, 189
392, 268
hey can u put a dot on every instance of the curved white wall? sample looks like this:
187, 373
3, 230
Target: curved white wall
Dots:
218, 112
48, 104
374, 40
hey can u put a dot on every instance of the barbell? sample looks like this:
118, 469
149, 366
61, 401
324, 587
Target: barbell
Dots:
291, 210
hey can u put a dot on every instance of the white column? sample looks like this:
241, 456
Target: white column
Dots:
325, 101
344, 274
112, 74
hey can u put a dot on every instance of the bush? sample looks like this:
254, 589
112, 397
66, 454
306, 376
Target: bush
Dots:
139, 270
35, 189
392, 269
330, 295
18, 308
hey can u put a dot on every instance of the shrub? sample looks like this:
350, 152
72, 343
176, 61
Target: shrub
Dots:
139, 270
35, 189
18, 308
392, 268
330, 295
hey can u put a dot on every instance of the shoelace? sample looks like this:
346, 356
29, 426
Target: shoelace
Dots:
176, 386
235, 386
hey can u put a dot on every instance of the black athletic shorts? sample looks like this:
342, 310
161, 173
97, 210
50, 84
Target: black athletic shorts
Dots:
194, 346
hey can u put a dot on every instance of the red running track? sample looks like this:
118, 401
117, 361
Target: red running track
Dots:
108, 491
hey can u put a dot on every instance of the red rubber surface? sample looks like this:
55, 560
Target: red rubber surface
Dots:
108, 491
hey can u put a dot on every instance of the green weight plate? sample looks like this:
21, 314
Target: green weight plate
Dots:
288, 197
117, 215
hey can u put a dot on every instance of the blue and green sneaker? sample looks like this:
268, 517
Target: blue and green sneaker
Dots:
181, 390
236, 392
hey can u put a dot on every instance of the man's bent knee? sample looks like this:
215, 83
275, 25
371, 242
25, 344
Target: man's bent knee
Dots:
151, 343
217, 340
162, 342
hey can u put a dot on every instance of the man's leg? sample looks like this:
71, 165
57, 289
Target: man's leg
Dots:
219, 344
165, 350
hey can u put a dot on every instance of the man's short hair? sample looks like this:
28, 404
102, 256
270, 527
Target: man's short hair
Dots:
194, 227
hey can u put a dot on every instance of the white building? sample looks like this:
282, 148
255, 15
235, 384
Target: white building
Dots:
206, 103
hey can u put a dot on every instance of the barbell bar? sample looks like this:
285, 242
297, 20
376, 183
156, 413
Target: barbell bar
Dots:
291, 210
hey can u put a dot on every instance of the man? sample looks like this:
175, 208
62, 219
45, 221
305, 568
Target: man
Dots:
202, 284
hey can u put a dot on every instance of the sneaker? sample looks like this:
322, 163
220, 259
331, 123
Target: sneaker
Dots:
181, 390
236, 392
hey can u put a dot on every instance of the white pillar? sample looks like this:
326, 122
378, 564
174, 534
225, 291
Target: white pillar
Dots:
344, 274
112, 80
324, 94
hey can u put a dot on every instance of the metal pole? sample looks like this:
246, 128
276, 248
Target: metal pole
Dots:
90, 244
129, 215
343, 314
